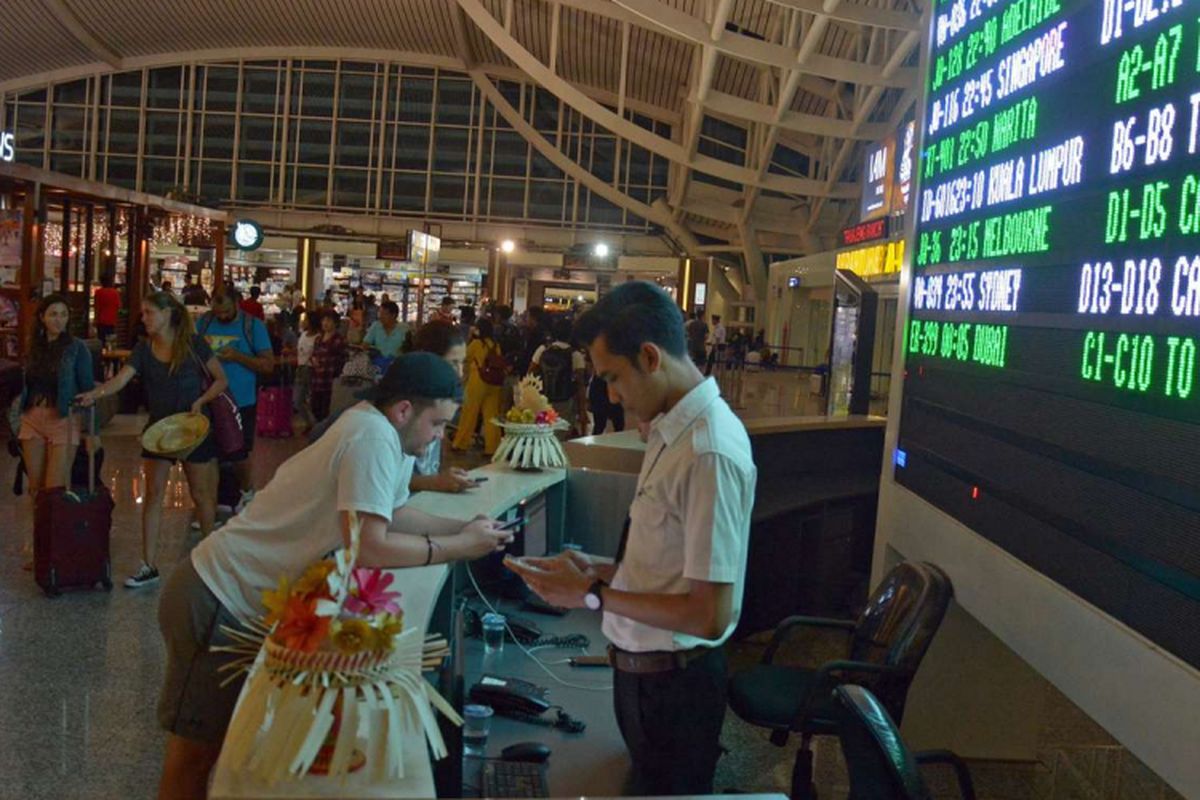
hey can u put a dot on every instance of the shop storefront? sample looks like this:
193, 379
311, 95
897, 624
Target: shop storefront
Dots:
66, 235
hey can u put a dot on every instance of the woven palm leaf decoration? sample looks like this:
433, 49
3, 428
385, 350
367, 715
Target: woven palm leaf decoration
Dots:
343, 663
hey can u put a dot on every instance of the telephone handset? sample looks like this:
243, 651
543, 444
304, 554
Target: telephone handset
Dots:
510, 695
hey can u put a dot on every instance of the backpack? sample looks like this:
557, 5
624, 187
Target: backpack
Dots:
558, 374
494, 368
512, 343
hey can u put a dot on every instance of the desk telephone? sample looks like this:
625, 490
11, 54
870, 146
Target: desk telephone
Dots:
510, 696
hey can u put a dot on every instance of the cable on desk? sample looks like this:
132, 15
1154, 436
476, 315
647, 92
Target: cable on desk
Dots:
525, 650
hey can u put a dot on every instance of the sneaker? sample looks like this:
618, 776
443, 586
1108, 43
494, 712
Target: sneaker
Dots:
247, 496
195, 526
145, 576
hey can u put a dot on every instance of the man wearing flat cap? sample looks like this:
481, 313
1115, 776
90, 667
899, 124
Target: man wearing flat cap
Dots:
362, 464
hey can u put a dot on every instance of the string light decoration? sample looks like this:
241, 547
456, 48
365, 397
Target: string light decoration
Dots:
189, 231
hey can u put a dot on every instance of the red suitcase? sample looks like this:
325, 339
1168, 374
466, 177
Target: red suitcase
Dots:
71, 536
275, 411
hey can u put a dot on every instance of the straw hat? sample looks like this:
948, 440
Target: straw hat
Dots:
176, 436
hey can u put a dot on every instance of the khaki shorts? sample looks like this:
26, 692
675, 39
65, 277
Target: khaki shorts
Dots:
43, 422
193, 703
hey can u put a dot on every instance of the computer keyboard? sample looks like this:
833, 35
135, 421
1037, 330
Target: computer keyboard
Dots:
514, 779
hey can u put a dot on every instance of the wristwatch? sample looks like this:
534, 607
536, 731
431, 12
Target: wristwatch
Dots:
593, 599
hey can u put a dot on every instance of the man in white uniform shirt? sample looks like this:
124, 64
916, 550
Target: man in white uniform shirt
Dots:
675, 592
362, 465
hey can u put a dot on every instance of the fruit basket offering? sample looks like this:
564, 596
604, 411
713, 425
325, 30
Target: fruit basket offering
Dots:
337, 669
529, 429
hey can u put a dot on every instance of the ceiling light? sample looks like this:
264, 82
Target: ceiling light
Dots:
601, 250
508, 245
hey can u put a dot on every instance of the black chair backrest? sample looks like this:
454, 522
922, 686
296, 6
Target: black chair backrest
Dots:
879, 765
897, 626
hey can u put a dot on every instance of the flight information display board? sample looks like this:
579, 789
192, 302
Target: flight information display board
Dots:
1052, 391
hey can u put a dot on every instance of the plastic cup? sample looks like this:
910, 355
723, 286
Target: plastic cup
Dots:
477, 723
493, 633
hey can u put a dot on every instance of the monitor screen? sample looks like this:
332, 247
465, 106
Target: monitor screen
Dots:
1050, 397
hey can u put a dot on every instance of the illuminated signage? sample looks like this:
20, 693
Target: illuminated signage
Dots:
878, 173
906, 142
246, 234
1052, 400
392, 250
884, 258
870, 231
8, 146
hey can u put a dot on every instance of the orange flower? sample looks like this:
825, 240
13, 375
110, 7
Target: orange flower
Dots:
301, 629
314, 579
275, 601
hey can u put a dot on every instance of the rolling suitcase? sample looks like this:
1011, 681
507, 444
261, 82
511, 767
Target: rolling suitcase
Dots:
275, 411
71, 535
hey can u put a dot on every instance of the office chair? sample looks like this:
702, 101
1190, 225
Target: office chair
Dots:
887, 643
879, 764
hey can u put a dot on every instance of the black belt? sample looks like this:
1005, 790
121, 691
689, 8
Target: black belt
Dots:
654, 660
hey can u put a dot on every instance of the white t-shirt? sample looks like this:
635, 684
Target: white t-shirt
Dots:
357, 465
578, 362
690, 518
304, 348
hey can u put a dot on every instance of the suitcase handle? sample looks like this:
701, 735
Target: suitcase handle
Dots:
91, 455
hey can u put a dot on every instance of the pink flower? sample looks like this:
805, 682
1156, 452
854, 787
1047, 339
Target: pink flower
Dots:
370, 594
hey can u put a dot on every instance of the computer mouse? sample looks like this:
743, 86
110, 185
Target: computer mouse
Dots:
526, 751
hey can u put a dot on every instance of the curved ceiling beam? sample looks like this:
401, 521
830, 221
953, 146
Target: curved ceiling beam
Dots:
694, 30
658, 213
857, 15
68, 19
625, 129
752, 111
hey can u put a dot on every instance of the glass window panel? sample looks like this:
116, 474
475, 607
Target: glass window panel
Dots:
638, 165
350, 188
448, 192
639, 193
369, 67
603, 153
214, 181
121, 172
660, 169
254, 182
314, 142
75, 92
546, 200
317, 93
724, 132
508, 198
602, 212
163, 89
67, 164
354, 144
221, 89
545, 111
33, 96
126, 89
418, 71
357, 94
512, 92
541, 167
69, 129
450, 149
416, 99
123, 131
454, 102
408, 191
327, 66
217, 141
260, 89
162, 133
723, 152
258, 139
158, 175
511, 153
412, 147
312, 184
